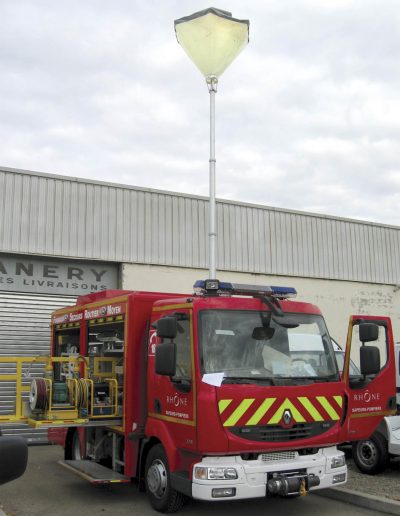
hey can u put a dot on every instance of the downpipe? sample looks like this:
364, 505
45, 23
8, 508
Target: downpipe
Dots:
287, 486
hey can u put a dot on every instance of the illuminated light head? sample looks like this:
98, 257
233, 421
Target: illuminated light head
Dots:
219, 288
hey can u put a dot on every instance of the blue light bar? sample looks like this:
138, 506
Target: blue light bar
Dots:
215, 287
283, 292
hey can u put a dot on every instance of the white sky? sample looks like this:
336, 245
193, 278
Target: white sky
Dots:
308, 116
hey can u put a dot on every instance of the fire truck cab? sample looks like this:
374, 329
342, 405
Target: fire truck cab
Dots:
209, 395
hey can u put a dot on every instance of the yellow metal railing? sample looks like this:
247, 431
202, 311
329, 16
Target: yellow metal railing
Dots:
18, 377
22, 374
98, 361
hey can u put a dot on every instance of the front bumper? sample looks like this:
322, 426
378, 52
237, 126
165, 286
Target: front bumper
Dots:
253, 475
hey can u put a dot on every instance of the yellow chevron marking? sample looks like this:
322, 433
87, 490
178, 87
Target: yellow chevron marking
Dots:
310, 408
261, 411
339, 400
238, 413
287, 404
328, 407
222, 404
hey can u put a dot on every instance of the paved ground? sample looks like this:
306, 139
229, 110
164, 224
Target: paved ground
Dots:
47, 488
384, 484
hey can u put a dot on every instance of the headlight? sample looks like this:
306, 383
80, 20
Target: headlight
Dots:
338, 461
215, 473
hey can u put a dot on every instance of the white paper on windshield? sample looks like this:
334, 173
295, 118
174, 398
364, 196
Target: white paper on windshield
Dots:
224, 332
213, 379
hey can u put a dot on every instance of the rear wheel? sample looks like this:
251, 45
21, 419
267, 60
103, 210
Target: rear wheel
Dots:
158, 482
73, 446
371, 455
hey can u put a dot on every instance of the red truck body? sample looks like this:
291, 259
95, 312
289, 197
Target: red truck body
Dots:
209, 435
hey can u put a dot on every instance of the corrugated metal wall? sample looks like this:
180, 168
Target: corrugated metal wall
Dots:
61, 216
24, 331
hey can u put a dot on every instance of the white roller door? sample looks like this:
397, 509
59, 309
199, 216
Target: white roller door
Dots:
24, 331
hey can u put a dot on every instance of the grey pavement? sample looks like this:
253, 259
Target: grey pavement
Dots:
47, 488
360, 499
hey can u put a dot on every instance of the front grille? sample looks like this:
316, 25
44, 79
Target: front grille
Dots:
275, 433
269, 457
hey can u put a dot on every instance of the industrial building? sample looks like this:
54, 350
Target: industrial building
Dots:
61, 237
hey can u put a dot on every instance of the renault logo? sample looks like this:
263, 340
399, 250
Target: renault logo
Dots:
287, 417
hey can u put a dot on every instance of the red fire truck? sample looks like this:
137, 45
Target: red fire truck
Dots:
229, 393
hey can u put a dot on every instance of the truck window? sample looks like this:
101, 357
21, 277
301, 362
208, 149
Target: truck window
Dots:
353, 371
250, 344
183, 351
381, 343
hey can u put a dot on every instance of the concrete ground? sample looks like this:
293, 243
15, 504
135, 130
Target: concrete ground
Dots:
47, 488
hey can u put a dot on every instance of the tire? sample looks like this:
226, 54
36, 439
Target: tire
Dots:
73, 446
371, 455
158, 483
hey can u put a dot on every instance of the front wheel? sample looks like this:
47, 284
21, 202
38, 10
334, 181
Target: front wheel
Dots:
371, 455
158, 483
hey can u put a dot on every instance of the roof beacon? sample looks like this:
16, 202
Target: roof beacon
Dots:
221, 288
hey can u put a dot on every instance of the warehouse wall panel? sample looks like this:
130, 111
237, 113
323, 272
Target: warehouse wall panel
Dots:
61, 216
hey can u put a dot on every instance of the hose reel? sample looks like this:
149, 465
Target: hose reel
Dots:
61, 393
39, 394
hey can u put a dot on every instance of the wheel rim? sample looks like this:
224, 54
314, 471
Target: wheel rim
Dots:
157, 479
367, 453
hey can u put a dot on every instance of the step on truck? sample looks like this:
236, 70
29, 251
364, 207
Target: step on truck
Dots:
207, 395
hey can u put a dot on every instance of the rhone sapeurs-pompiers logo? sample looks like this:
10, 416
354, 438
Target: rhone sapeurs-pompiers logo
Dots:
367, 396
177, 401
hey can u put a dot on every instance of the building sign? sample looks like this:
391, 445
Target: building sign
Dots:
52, 276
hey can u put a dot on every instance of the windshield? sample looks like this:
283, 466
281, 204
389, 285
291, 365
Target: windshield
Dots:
259, 345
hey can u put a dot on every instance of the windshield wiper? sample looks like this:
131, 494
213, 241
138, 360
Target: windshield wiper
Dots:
247, 379
328, 378
294, 380
311, 379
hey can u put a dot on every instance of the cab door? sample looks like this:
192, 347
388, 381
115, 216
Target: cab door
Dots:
370, 385
172, 397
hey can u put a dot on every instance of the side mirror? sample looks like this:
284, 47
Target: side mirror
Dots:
13, 457
370, 360
166, 359
167, 327
369, 332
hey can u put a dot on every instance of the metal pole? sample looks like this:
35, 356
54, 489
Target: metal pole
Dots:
212, 88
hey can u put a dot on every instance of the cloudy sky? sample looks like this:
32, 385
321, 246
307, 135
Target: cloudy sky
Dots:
308, 116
